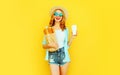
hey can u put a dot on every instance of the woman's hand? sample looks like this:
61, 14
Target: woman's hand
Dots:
73, 36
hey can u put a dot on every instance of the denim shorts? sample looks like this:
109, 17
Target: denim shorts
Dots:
57, 57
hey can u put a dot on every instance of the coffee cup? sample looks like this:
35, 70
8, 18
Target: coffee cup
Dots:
74, 29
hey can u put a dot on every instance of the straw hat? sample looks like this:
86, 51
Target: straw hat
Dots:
59, 7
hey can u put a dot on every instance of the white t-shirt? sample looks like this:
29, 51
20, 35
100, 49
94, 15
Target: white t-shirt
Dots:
60, 36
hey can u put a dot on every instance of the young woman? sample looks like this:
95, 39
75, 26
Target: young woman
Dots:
58, 60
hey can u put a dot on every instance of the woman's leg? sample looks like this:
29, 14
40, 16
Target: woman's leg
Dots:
64, 69
54, 69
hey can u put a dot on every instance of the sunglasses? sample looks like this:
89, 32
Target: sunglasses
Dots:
58, 14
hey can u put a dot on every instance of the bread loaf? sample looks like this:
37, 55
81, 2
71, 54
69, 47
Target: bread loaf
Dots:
50, 37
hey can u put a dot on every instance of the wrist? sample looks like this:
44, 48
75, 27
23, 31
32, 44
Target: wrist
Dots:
73, 36
50, 46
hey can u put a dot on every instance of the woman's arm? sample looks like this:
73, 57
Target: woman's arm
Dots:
71, 39
46, 46
50, 45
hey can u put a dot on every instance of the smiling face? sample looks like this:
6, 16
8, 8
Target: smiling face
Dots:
58, 15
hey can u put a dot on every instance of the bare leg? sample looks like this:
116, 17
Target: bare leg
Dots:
54, 69
64, 69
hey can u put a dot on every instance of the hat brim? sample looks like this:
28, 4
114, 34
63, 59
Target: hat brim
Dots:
59, 7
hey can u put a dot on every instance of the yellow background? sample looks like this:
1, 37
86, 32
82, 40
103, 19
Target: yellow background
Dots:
95, 51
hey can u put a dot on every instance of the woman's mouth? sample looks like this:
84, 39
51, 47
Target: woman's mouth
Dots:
57, 18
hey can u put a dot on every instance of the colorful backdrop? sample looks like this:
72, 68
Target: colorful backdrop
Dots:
95, 51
